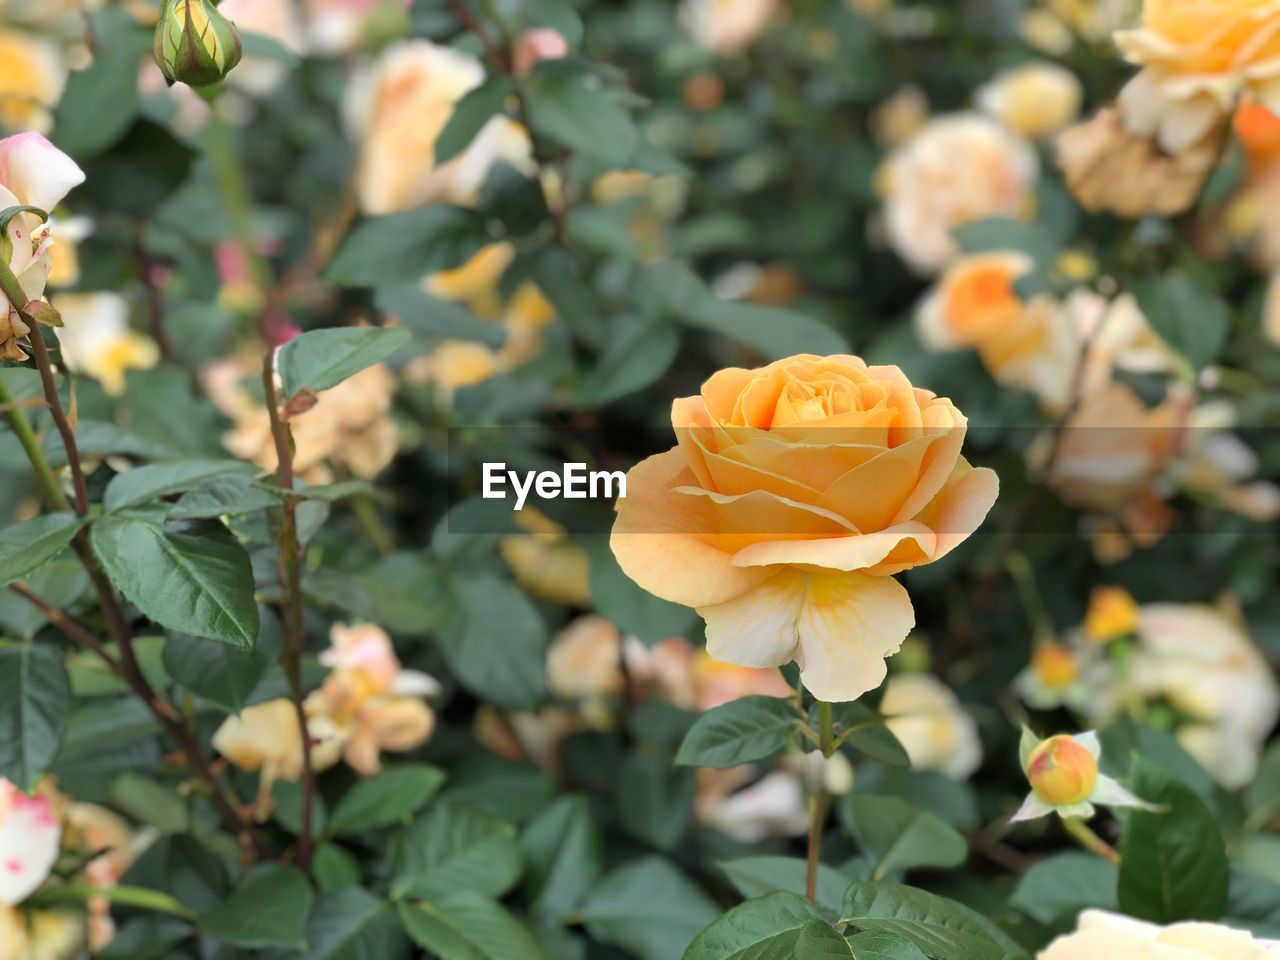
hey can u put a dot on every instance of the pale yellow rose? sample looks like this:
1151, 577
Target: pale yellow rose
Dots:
955, 170
926, 716
32, 75
1198, 56
1104, 936
398, 108
1035, 100
726, 26
796, 492
97, 341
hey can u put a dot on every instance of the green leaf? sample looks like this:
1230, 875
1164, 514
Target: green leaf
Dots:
647, 908
224, 675
900, 837
1191, 318
469, 116
939, 927
877, 945
28, 545
228, 496
193, 578
380, 801
1002, 233
100, 101
321, 359
563, 855
620, 600
865, 732
431, 316
405, 247
740, 731
354, 924
767, 928
635, 356
154, 482
1262, 798
465, 925
1059, 887
456, 848
771, 331
818, 941
268, 908
571, 106
755, 876
335, 868
35, 698
1173, 865
495, 641
655, 800
150, 802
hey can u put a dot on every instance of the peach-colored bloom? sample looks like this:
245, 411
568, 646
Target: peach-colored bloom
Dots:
584, 666
955, 170
398, 109
114, 845
277, 19
796, 491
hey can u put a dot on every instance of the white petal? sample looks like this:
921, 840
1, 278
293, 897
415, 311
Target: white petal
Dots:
1089, 740
36, 171
1033, 808
1109, 793
414, 683
29, 838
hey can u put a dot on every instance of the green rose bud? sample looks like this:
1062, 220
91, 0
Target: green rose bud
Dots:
194, 43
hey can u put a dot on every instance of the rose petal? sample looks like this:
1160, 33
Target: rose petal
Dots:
662, 542
840, 627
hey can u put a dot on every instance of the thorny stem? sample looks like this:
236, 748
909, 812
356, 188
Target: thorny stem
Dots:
65, 429
819, 803
1084, 834
290, 575
73, 629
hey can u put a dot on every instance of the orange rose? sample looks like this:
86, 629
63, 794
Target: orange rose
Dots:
796, 492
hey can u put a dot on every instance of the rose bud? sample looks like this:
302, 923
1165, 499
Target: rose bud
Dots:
1062, 772
194, 43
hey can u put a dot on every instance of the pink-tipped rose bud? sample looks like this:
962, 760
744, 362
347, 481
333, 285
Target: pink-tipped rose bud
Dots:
1062, 771
535, 45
